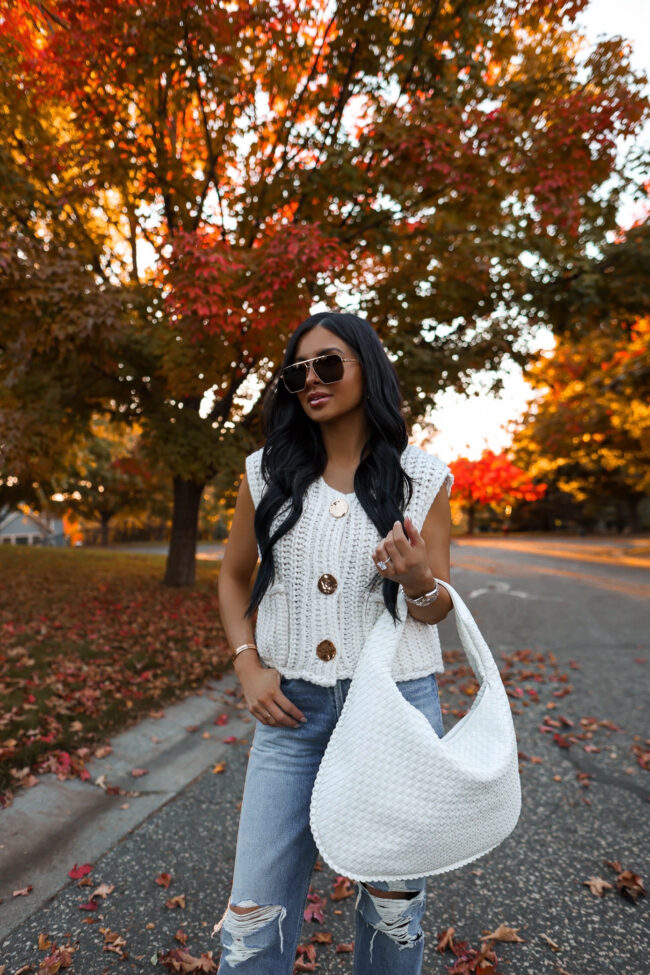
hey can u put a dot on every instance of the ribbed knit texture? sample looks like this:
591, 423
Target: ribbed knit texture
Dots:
294, 616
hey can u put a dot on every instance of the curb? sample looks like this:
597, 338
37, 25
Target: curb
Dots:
54, 825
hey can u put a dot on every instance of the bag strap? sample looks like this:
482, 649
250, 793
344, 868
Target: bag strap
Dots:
381, 644
476, 649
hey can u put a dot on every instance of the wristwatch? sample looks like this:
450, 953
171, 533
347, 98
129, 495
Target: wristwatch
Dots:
426, 599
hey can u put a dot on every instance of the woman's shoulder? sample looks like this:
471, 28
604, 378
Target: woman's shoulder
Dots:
255, 454
419, 461
429, 473
253, 464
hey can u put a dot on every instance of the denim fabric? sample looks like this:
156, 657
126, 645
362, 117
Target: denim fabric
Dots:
276, 852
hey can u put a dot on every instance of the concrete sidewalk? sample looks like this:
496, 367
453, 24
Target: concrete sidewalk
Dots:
55, 824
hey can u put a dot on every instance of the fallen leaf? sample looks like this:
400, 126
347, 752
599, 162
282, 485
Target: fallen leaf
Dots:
504, 933
164, 880
221, 720
181, 936
342, 888
344, 947
552, 944
91, 905
445, 939
177, 901
597, 885
114, 942
24, 891
58, 959
102, 891
77, 872
137, 772
177, 960
315, 911
219, 767
630, 885
306, 960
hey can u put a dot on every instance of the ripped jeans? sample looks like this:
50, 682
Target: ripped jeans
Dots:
276, 852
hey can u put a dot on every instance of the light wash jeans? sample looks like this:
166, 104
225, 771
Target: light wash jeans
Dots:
276, 852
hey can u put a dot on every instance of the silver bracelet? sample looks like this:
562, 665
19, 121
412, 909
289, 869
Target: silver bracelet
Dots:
426, 599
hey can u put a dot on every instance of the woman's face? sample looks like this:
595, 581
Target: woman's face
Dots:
329, 401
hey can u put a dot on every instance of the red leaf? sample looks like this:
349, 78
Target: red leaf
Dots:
77, 872
91, 905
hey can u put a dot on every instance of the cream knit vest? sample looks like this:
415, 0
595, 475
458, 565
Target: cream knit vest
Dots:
295, 615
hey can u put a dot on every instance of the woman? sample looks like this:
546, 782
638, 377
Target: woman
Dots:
342, 511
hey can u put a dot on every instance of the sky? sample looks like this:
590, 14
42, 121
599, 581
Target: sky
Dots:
467, 426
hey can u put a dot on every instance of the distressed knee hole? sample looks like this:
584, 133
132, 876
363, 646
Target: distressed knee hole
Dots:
393, 913
244, 931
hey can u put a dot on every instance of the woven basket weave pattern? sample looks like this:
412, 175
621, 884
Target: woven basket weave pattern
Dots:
391, 800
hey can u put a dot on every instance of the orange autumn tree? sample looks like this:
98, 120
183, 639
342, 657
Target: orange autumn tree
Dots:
491, 480
181, 181
589, 430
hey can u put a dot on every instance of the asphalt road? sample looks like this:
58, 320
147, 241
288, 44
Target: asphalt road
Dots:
572, 613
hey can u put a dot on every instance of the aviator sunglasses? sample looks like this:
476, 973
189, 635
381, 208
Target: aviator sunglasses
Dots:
328, 368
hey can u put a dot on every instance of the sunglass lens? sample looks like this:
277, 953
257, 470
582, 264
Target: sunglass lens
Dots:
294, 377
329, 368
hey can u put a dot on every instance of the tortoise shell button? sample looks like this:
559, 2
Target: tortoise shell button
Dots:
326, 650
339, 507
327, 583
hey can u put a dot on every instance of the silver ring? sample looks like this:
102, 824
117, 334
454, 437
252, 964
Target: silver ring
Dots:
383, 565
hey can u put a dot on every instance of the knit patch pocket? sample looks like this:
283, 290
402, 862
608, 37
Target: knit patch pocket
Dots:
272, 627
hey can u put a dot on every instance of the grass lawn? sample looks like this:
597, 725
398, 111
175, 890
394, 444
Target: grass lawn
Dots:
92, 640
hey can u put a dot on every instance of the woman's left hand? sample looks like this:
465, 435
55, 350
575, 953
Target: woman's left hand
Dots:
406, 555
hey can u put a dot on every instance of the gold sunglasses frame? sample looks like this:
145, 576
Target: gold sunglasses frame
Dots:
307, 362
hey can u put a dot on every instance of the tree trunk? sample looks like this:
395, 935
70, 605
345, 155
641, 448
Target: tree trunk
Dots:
105, 518
470, 519
633, 516
181, 557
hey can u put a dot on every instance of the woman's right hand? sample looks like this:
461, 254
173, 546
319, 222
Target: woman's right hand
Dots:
264, 699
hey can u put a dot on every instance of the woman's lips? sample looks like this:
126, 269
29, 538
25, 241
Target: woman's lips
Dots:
319, 400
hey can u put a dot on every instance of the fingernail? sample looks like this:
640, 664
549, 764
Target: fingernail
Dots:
303, 720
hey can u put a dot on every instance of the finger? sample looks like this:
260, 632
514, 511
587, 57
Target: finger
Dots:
400, 540
289, 706
279, 716
380, 554
413, 534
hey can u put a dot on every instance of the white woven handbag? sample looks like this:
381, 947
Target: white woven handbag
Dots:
392, 800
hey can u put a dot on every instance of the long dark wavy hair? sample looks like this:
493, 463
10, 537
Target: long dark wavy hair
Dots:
294, 454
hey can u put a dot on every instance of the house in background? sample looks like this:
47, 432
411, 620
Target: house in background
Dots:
25, 527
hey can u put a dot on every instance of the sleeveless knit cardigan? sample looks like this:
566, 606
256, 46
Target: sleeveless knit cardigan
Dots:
294, 615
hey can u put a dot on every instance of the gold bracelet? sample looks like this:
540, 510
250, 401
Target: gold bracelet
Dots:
240, 649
